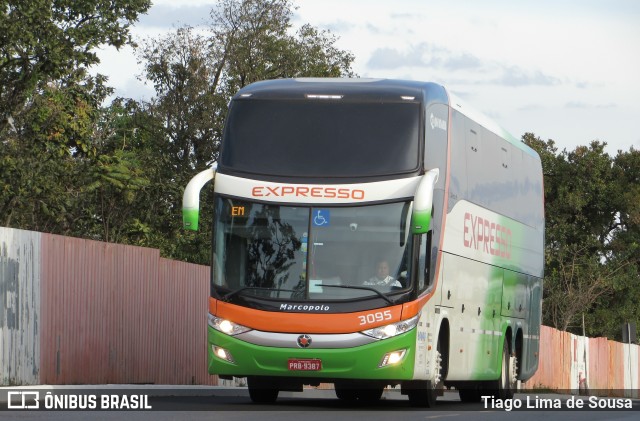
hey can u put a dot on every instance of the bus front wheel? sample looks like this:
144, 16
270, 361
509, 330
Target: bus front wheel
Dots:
423, 396
353, 392
262, 391
424, 393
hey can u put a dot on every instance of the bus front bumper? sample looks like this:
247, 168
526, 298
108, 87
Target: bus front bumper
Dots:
375, 361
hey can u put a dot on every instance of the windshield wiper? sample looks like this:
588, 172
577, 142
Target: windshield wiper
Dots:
228, 296
384, 297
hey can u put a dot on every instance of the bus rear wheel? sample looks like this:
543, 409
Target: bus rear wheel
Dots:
506, 384
470, 395
262, 391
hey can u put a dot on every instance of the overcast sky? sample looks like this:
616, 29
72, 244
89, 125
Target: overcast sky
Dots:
567, 70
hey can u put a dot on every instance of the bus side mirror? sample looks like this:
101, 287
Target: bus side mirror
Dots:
423, 202
191, 198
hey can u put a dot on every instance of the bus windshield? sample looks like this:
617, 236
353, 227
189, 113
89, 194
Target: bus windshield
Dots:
302, 253
321, 138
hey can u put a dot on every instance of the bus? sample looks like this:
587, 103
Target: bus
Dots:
371, 233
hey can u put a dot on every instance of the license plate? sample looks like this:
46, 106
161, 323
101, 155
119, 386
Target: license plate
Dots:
305, 364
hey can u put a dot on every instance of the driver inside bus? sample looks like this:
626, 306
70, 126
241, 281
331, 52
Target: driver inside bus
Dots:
382, 277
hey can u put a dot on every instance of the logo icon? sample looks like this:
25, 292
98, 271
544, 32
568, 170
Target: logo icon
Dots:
437, 123
304, 341
321, 218
26, 400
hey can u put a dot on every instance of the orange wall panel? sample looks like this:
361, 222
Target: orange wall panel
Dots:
121, 314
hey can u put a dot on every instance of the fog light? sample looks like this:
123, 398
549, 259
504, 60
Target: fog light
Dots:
392, 358
222, 353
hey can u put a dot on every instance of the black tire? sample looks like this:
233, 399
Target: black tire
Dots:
345, 393
370, 395
426, 393
260, 391
423, 397
505, 387
360, 393
470, 395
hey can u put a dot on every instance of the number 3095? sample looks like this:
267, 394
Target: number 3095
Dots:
375, 317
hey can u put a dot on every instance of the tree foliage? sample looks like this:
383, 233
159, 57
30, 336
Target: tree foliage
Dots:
592, 236
50, 106
71, 164
40, 154
47, 40
195, 71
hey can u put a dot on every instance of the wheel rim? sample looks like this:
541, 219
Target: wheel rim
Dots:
513, 372
438, 369
505, 375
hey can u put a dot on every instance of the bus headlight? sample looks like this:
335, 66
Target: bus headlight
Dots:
394, 329
225, 326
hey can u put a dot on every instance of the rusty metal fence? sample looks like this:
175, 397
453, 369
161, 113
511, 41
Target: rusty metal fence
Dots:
76, 311
586, 365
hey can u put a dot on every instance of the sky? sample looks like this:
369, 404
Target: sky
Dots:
567, 70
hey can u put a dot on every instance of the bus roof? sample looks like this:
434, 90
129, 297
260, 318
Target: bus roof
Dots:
369, 89
458, 104
346, 89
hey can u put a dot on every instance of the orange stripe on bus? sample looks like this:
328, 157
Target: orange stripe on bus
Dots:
285, 322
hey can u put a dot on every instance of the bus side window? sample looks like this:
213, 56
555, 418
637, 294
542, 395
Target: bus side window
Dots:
425, 259
427, 270
422, 263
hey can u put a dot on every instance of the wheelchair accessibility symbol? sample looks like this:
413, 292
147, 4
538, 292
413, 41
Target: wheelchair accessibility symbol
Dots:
321, 218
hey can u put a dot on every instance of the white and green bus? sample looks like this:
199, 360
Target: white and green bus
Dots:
372, 233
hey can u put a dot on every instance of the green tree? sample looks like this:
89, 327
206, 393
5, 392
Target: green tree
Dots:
195, 73
251, 41
47, 40
126, 191
50, 107
116, 180
621, 305
591, 249
40, 166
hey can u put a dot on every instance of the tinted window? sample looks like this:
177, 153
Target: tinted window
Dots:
270, 251
321, 138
